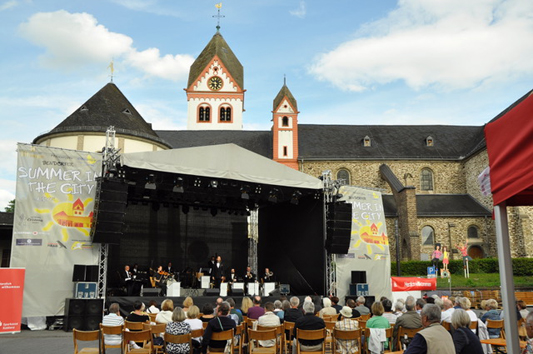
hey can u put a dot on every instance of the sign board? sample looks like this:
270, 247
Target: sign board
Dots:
432, 272
362, 290
11, 294
413, 283
85, 290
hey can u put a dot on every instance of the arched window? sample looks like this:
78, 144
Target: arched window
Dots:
344, 175
426, 179
428, 236
367, 142
473, 232
225, 114
285, 121
204, 114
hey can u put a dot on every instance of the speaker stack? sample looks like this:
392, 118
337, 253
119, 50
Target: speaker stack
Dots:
109, 211
339, 227
84, 273
358, 278
83, 314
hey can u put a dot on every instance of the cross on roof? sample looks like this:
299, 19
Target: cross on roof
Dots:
218, 16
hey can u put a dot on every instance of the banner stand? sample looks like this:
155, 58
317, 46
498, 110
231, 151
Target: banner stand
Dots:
11, 294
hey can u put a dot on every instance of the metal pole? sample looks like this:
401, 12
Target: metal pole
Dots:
506, 278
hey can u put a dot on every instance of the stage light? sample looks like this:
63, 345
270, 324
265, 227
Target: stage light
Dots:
178, 185
214, 211
150, 182
273, 196
244, 192
213, 184
296, 197
197, 182
258, 190
185, 209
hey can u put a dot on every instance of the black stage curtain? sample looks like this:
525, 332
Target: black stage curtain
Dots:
291, 245
156, 236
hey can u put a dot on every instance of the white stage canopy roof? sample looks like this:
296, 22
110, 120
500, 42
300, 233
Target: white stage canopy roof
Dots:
228, 161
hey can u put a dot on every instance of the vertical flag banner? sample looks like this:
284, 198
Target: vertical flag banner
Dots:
11, 290
369, 243
53, 215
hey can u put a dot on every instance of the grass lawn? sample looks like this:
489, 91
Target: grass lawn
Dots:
480, 280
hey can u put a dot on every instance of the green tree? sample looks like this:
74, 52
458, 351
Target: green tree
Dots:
10, 208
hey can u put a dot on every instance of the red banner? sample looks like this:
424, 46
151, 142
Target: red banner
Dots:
413, 283
11, 294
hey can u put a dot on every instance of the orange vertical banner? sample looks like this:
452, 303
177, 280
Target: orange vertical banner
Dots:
11, 294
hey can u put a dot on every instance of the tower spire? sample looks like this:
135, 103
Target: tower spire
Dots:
218, 16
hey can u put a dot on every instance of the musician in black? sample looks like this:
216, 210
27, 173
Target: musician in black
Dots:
160, 278
126, 279
268, 276
217, 274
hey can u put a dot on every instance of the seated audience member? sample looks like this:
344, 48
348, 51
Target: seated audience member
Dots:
269, 319
465, 341
219, 324
294, 313
335, 304
176, 327
363, 310
492, 314
377, 321
208, 312
138, 314
351, 304
113, 319
446, 315
347, 324
256, 311
387, 306
465, 304
308, 322
152, 307
188, 302
285, 305
236, 314
278, 310
434, 338
529, 331
419, 305
167, 308
327, 309
195, 323
410, 319
245, 305
399, 306
522, 308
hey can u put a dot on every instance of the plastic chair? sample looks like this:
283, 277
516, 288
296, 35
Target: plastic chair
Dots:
254, 336
310, 335
137, 336
341, 335
178, 339
86, 336
111, 330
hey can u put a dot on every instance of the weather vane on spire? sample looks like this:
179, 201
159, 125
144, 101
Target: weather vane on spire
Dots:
111, 67
218, 16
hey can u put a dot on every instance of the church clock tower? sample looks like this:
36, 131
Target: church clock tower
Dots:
285, 128
215, 91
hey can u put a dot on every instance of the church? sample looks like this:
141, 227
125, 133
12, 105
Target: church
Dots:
426, 173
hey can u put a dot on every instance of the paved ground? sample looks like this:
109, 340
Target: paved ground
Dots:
41, 342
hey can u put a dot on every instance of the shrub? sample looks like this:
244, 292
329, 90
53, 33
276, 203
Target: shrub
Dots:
521, 266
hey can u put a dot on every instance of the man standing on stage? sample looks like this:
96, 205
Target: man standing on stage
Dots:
217, 275
127, 281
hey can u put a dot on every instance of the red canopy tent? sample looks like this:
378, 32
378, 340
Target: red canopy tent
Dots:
509, 139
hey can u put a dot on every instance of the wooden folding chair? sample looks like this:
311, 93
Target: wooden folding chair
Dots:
134, 326
388, 336
144, 337
239, 331
204, 324
402, 332
289, 335
254, 336
473, 326
157, 329
362, 324
177, 339
310, 335
223, 336
111, 330
447, 325
86, 336
330, 317
365, 317
522, 329
492, 324
330, 325
340, 335
152, 316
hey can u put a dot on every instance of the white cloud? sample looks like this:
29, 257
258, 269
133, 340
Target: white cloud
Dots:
8, 151
7, 193
301, 11
447, 44
72, 40
8, 5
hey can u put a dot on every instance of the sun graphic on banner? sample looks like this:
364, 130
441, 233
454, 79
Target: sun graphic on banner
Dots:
369, 234
69, 216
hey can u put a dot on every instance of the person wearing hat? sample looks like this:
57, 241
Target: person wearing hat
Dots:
347, 324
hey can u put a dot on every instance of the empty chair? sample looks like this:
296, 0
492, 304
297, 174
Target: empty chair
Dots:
86, 336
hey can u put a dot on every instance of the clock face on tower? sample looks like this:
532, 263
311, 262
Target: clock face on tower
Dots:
215, 83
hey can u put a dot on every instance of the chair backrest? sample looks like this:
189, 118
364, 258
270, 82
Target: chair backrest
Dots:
278, 329
365, 317
144, 336
197, 333
239, 329
362, 323
152, 316
346, 335
410, 332
204, 324
330, 317
496, 324
135, 326
224, 335
155, 328
311, 334
447, 325
473, 325
388, 335
178, 339
262, 334
87, 336
330, 325
111, 329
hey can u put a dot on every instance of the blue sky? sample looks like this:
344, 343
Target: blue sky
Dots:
347, 62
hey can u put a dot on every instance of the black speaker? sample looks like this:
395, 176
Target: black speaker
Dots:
369, 300
339, 227
353, 289
109, 211
358, 276
212, 292
91, 273
83, 314
78, 273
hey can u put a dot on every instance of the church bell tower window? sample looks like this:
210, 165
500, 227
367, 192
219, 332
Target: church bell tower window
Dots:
204, 114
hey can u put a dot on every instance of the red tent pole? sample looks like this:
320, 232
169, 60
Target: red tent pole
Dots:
506, 278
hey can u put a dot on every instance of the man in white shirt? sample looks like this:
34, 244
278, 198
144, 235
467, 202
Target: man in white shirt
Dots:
446, 315
113, 319
269, 319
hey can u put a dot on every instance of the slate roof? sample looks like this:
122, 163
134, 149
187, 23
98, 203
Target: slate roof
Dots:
107, 107
217, 46
399, 142
6, 219
259, 142
440, 205
282, 93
